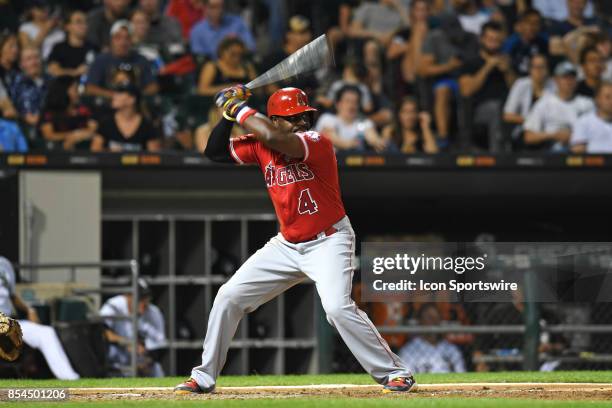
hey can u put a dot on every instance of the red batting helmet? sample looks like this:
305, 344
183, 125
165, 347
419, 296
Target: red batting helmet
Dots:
288, 102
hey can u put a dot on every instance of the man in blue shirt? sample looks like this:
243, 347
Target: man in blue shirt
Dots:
208, 33
121, 57
527, 41
29, 88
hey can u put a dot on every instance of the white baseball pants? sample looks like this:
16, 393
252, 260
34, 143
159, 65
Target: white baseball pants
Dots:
276, 267
44, 338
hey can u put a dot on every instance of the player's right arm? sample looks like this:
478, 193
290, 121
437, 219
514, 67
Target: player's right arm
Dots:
273, 138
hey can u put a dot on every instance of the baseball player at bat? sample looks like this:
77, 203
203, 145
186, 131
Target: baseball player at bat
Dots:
315, 241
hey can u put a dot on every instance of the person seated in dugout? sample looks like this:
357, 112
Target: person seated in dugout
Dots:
36, 335
119, 331
431, 353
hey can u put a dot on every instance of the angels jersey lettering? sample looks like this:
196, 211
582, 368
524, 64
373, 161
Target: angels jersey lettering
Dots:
305, 193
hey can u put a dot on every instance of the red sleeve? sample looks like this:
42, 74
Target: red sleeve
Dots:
243, 149
316, 146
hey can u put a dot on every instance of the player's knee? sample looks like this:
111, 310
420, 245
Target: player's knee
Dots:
226, 296
334, 310
46, 332
229, 297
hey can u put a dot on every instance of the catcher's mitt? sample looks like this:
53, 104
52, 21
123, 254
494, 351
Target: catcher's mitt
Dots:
11, 338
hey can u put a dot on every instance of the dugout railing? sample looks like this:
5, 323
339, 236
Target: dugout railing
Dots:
130, 265
529, 361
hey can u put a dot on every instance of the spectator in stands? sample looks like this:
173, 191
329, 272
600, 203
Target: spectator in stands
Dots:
444, 52
187, 13
206, 36
431, 353
470, 16
120, 333
335, 20
375, 23
65, 124
7, 110
29, 88
382, 112
164, 31
202, 133
557, 10
604, 46
528, 40
592, 63
353, 74
593, 131
120, 57
346, 129
411, 130
486, 80
72, 56
140, 43
229, 69
575, 23
41, 30
525, 92
9, 54
101, 20
35, 335
298, 34
128, 129
575, 18
12, 139
406, 47
549, 124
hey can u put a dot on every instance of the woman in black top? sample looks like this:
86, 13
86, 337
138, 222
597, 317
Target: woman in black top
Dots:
127, 130
9, 52
66, 124
411, 131
228, 70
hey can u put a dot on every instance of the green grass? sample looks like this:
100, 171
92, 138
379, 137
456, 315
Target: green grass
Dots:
337, 402
228, 381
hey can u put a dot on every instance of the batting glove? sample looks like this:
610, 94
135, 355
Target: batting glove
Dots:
237, 91
237, 110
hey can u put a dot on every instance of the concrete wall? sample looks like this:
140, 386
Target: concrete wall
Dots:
60, 214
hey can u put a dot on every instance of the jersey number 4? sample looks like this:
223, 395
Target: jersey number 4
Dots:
306, 204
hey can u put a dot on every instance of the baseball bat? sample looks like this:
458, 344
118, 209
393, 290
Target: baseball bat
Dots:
314, 55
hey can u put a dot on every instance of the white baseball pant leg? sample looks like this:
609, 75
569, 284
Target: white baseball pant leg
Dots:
329, 263
44, 338
265, 275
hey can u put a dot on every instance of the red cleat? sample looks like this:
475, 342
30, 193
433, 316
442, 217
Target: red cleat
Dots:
189, 387
400, 384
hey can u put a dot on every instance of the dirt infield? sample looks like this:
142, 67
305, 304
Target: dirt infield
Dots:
544, 391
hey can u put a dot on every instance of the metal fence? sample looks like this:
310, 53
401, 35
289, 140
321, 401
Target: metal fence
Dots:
449, 337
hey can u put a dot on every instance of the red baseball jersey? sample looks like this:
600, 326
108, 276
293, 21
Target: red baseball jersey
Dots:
305, 193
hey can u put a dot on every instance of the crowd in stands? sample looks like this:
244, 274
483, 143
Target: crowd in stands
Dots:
411, 76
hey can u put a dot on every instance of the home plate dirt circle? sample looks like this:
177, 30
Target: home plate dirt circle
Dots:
552, 391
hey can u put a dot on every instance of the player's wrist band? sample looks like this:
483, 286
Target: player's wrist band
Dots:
244, 113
